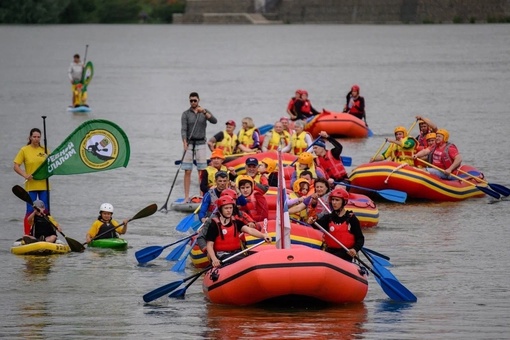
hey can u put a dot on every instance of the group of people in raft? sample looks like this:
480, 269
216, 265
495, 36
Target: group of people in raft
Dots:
233, 204
430, 147
300, 107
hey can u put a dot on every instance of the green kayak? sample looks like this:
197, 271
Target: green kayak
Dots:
112, 243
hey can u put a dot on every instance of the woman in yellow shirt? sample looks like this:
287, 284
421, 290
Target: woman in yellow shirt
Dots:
31, 156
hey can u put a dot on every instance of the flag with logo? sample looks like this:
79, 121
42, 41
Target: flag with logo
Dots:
95, 145
282, 209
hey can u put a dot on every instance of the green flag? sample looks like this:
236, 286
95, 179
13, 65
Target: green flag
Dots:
96, 145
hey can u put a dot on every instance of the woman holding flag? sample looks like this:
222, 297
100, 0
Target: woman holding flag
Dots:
31, 156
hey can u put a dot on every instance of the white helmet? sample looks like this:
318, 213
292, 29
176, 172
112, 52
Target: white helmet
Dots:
106, 207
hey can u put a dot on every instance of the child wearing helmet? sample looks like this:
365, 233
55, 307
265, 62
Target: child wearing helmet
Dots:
223, 233
256, 205
43, 225
267, 168
305, 161
342, 225
105, 226
401, 149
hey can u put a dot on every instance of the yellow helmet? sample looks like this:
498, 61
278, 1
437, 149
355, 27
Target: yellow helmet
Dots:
298, 182
400, 129
445, 134
271, 164
431, 135
305, 158
243, 178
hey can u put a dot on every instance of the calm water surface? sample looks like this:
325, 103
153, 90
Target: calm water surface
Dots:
454, 256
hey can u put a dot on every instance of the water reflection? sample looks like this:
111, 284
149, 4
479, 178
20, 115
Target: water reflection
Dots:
38, 267
338, 322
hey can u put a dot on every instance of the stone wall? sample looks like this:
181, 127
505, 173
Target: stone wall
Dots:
346, 11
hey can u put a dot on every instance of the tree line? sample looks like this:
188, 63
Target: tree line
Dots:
89, 11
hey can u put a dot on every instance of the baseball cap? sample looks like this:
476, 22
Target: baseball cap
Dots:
252, 161
320, 143
230, 122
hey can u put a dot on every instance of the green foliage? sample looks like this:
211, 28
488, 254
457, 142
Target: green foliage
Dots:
79, 11
31, 11
458, 20
119, 11
163, 10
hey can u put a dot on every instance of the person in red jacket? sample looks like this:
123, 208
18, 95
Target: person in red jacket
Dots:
257, 203
330, 160
355, 104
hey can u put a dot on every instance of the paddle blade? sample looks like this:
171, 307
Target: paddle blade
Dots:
370, 133
147, 211
391, 285
176, 252
197, 225
163, 290
489, 192
379, 260
178, 294
186, 223
393, 195
373, 252
180, 265
75, 246
347, 161
148, 254
500, 189
22, 194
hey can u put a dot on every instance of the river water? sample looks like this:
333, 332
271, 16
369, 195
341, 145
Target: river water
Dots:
453, 256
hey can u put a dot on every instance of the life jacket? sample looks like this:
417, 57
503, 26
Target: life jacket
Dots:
300, 216
421, 140
312, 169
227, 144
211, 171
354, 110
318, 211
306, 109
104, 228
42, 227
214, 197
246, 137
401, 155
440, 158
342, 233
299, 142
251, 207
274, 142
228, 237
333, 167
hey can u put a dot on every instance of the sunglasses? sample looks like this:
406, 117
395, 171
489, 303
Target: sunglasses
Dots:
193, 100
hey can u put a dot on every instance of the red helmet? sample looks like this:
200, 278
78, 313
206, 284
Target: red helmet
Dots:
304, 92
229, 192
224, 200
339, 193
355, 88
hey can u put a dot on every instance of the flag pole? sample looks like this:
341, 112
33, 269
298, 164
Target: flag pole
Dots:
46, 153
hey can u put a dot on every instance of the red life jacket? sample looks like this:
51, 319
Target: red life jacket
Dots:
341, 233
251, 206
353, 110
228, 237
441, 158
333, 167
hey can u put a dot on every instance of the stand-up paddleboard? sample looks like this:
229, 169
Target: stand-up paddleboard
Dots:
79, 109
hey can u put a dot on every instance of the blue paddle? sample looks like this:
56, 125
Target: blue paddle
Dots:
187, 222
150, 253
180, 265
176, 252
169, 287
501, 189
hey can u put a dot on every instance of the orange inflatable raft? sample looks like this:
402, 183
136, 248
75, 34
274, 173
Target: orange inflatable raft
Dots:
337, 124
416, 182
297, 273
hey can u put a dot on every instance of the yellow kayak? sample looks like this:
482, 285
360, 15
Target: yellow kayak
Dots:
39, 248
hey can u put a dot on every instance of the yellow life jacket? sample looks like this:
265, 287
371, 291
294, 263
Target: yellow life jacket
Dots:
246, 137
211, 171
299, 143
274, 142
227, 144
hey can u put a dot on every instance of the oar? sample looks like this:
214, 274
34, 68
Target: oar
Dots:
390, 285
188, 221
389, 194
176, 252
501, 189
227, 159
380, 261
373, 252
164, 208
180, 265
179, 293
147, 211
169, 287
22, 194
150, 253
484, 189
